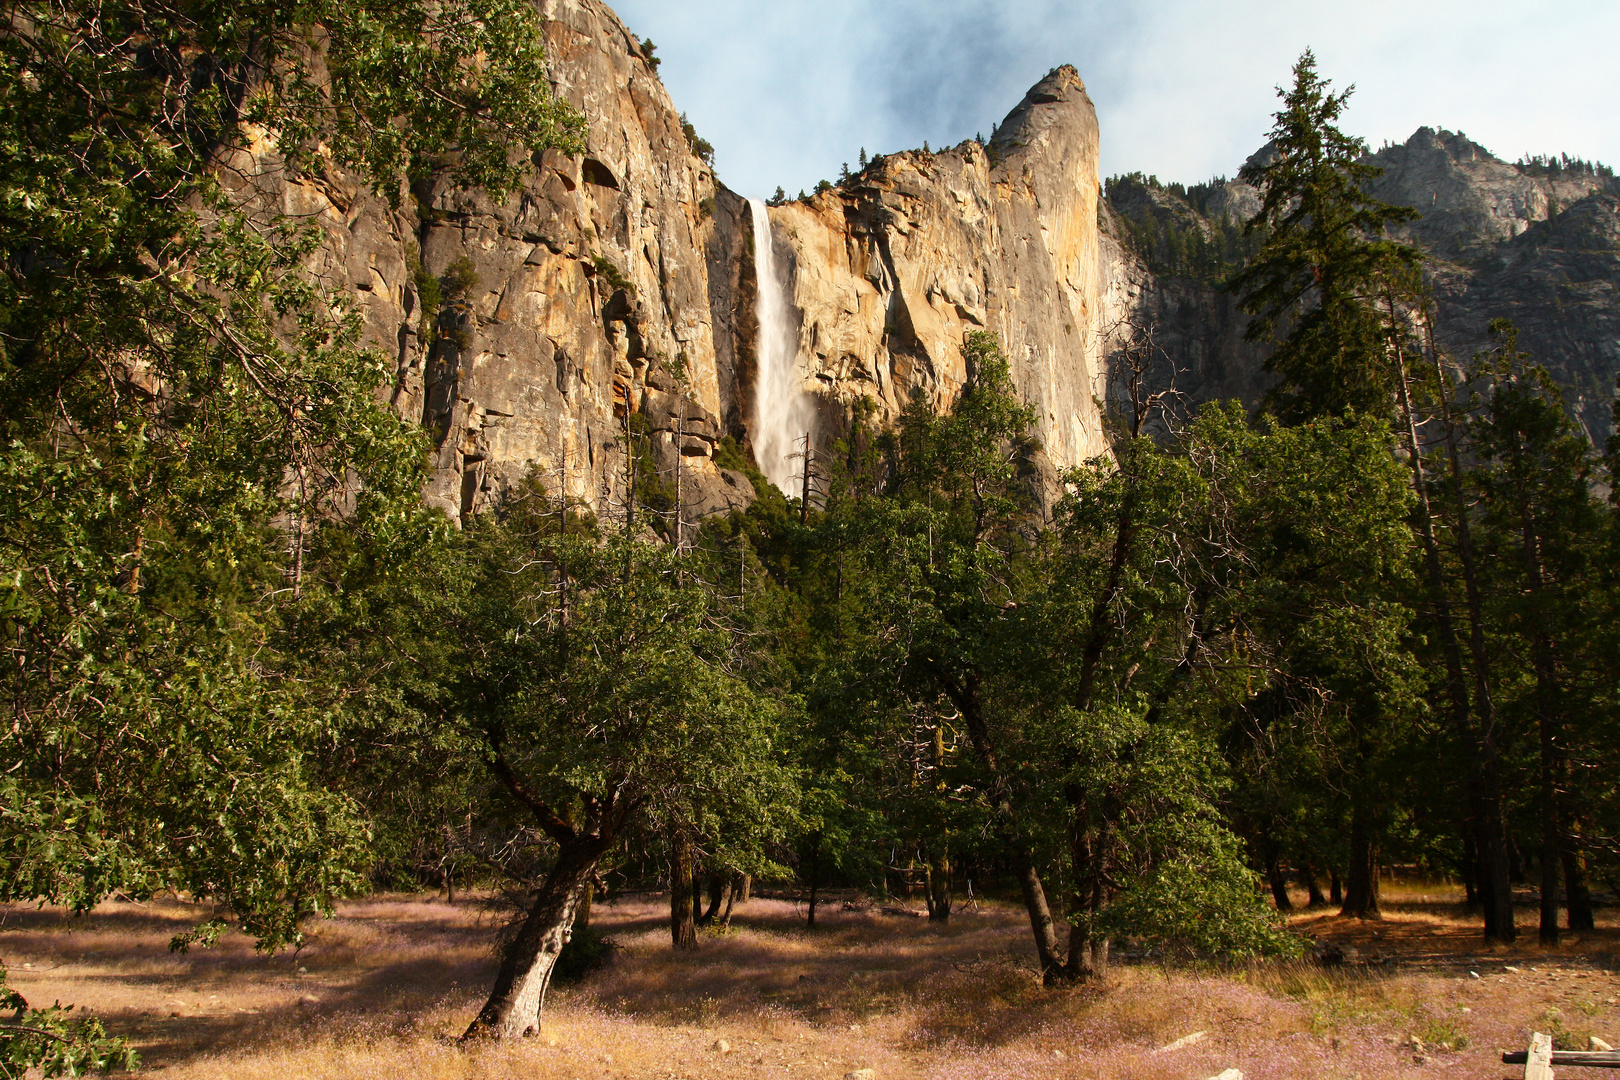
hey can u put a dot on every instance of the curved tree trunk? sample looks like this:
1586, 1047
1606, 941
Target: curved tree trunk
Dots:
1040, 916
513, 1008
1279, 883
719, 891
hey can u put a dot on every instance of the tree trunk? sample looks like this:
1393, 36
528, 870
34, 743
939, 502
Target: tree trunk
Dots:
1361, 890
1469, 871
682, 928
939, 885
1551, 854
1493, 878
1313, 888
719, 890
1279, 884
815, 877
1548, 703
1088, 956
514, 1005
1040, 917
1335, 887
746, 887
732, 888
1577, 894
582, 910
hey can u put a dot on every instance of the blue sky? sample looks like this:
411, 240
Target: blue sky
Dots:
788, 90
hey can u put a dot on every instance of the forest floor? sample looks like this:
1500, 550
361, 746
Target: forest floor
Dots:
383, 988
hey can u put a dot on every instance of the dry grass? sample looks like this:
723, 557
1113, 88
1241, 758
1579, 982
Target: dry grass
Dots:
383, 988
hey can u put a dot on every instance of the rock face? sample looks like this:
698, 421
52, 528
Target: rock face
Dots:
579, 302
614, 293
1537, 245
893, 268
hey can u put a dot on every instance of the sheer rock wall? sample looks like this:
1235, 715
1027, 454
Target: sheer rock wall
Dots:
620, 283
893, 268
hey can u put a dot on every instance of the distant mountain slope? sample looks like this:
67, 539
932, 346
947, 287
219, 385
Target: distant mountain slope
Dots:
1538, 243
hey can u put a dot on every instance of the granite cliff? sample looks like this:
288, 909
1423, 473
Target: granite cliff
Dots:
620, 283
892, 268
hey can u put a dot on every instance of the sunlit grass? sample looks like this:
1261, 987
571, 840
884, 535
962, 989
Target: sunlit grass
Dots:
382, 991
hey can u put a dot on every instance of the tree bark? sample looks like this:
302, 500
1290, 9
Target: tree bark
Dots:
1335, 887
1548, 703
1483, 783
1551, 855
582, 910
1313, 888
815, 878
939, 884
746, 886
1040, 916
1361, 890
513, 1008
1577, 894
1279, 884
682, 928
719, 890
732, 888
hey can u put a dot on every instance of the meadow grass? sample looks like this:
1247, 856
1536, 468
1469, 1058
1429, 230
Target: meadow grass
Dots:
382, 989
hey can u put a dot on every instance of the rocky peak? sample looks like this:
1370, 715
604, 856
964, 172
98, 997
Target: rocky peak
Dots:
1468, 198
893, 269
1055, 122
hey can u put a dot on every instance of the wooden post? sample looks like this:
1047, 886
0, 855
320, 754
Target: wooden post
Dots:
1539, 1064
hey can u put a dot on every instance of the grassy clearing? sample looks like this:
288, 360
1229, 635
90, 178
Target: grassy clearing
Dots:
383, 988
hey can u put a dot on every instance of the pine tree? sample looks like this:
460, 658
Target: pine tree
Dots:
1313, 286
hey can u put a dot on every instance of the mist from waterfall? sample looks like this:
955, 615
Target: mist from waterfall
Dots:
783, 412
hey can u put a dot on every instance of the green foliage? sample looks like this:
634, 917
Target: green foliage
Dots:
1554, 166
429, 295
597, 676
1314, 286
52, 1042
197, 470
1179, 244
610, 273
702, 147
649, 53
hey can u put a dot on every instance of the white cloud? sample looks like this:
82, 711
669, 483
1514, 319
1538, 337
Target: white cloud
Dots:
789, 90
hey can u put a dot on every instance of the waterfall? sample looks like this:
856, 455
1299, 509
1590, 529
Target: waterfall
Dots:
783, 412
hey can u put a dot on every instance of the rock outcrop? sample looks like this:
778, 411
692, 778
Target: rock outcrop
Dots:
894, 267
559, 313
528, 332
